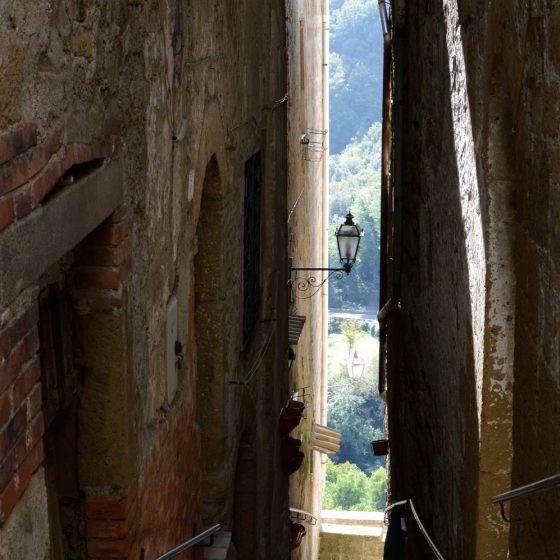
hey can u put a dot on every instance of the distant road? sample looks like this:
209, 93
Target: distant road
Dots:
345, 314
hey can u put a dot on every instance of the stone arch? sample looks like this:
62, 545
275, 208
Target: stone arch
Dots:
210, 308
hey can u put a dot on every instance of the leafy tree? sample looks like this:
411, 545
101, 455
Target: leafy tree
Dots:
354, 409
356, 69
348, 488
355, 185
357, 412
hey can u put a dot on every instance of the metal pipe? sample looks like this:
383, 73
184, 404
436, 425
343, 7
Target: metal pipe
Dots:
398, 46
191, 542
384, 19
384, 240
534, 487
387, 309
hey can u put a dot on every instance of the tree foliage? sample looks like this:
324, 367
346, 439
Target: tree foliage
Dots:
348, 488
355, 185
356, 69
354, 409
356, 479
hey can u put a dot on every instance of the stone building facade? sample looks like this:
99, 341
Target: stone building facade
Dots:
149, 158
472, 356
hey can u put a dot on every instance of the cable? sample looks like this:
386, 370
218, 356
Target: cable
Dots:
430, 542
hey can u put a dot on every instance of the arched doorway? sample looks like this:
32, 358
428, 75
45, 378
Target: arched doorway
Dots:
210, 310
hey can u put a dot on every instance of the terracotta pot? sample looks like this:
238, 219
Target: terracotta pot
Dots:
290, 416
297, 532
380, 446
288, 449
296, 405
294, 464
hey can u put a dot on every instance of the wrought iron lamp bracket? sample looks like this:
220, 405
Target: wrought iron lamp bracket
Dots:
310, 284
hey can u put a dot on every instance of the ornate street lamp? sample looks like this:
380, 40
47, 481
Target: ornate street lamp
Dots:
348, 236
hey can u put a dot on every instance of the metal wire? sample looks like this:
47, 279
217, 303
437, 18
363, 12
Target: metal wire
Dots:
430, 542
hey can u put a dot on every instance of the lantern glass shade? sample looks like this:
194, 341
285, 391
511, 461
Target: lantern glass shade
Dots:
356, 366
348, 237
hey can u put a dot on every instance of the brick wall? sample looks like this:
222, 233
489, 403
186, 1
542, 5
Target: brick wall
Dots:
170, 489
110, 525
103, 262
30, 169
21, 418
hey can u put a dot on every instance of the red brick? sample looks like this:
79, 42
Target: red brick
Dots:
107, 528
17, 329
8, 499
27, 441
24, 203
44, 182
16, 425
107, 507
35, 400
114, 549
4, 443
23, 168
99, 278
30, 465
6, 213
81, 152
11, 366
17, 141
108, 234
26, 382
8, 467
5, 410
99, 256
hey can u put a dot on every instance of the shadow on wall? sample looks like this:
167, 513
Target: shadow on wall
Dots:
433, 387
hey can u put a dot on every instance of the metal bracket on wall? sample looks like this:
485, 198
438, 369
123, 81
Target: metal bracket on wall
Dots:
538, 486
302, 515
313, 144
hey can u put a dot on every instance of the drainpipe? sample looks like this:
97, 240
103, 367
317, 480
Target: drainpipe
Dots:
385, 210
392, 164
398, 53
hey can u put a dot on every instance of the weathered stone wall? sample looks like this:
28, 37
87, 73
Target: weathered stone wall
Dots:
472, 354
533, 80
307, 184
125, 132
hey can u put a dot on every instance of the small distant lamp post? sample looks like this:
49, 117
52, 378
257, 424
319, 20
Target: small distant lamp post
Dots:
355, 366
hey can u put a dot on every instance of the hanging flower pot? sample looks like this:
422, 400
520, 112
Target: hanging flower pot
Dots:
380, 446
297, 532
291, 466
288, 449
290, 416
